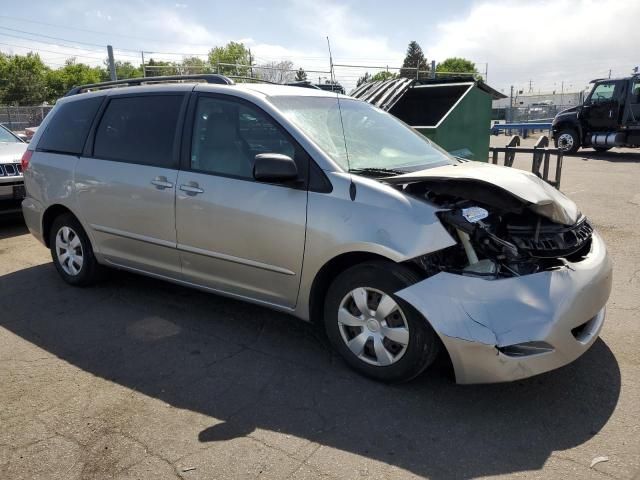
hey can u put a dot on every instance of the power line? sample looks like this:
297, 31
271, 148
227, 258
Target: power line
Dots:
110, 34
72, 47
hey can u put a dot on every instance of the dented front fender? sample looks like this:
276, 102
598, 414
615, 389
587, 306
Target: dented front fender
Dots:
475, 316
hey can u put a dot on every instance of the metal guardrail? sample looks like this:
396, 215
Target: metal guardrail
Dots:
541, 158
523, 128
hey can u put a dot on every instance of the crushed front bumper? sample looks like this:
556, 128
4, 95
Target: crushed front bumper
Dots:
512, 328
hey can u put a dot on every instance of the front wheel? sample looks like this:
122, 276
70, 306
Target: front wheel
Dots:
568, 141
377, 333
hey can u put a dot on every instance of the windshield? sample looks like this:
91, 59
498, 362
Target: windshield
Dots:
374, 139
7, 137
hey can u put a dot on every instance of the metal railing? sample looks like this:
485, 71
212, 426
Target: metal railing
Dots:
541, 158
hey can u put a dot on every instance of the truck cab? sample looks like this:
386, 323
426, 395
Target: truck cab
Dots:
609, 117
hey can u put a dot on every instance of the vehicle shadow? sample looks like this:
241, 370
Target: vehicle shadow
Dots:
613, 156
12, 225
249, 368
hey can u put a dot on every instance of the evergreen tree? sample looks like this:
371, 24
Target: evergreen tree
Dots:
414, 59
301, 75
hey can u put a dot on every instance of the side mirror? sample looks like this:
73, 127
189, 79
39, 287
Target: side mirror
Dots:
274, 167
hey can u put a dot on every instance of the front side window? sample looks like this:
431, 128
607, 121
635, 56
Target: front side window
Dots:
227, 135
603, 92
139, 129
635, 92
357, 135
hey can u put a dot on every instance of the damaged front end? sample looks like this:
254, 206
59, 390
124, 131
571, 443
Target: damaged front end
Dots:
523, 290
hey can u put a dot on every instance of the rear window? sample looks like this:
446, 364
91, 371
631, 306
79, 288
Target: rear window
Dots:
68, 129
139, 129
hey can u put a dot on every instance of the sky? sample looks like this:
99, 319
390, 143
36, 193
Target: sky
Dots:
537, 46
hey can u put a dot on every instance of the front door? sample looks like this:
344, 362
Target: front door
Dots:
126, 186
602, 109
236, 235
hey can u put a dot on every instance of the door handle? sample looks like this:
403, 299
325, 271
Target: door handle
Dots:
191, 188
161, 183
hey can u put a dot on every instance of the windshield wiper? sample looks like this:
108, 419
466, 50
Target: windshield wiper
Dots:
378, 172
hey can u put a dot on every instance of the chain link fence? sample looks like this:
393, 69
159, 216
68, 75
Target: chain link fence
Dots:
534, 108
19, 118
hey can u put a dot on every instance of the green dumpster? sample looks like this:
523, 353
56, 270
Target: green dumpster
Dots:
454, 114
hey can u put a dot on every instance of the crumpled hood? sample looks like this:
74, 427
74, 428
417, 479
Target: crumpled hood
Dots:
534, 192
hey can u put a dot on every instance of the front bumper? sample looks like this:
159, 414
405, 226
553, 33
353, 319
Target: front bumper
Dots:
479, 319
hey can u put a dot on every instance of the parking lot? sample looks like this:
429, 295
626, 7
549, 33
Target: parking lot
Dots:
136, 378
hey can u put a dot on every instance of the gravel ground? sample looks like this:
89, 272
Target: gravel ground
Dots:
136, 378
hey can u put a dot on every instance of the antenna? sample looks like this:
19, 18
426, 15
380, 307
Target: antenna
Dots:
352, 186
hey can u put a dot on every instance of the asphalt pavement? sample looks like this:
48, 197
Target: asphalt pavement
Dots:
136, 378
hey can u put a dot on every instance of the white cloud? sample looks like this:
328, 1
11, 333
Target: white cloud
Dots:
546, 41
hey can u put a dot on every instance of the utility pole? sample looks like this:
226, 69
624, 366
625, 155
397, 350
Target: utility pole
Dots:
609, 73
250, 64
144, 73
433, 69
486, 72
530, 86
562, 93
510, 105
112, 64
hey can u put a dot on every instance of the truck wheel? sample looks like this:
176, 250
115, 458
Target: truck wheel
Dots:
568, 141
378, 334
602, 149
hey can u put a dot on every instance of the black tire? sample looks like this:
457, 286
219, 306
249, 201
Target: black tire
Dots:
563, 143
89, 272
602, 149
386, 277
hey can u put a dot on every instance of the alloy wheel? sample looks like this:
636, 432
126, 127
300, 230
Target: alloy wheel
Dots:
565, 142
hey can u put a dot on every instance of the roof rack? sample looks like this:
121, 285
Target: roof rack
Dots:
208, 78
253, 79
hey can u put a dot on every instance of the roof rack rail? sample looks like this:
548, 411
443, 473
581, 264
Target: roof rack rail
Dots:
253, 79
209, 78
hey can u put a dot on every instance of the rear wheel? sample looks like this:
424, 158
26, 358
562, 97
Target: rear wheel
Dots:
72, 253
377, 333
568, 140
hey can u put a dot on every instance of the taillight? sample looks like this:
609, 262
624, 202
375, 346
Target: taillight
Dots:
26, 156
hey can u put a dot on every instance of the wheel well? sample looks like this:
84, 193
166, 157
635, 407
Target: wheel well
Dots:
568, 126
327, 273
50, 214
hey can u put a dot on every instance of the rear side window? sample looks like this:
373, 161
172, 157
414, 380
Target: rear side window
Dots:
68, 129
139, 129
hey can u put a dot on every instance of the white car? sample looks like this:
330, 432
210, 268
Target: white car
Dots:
11, 180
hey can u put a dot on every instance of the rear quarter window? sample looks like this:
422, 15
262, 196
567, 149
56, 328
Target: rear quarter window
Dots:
67, 131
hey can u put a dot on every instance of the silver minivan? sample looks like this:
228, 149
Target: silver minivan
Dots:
324, 207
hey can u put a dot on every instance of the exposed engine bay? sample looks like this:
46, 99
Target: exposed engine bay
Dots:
498, 235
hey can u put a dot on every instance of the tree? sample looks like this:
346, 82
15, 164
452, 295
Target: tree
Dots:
301, 75
23, 79
154, 68
366, 78
414, 59
384, 75
194, 65
233, 53
61, 80
457, 65
276, 72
